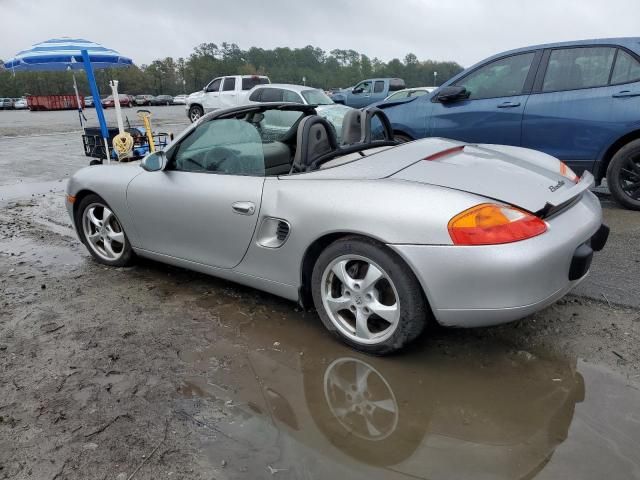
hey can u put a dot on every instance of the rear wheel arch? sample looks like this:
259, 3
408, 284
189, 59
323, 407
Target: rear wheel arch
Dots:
401, 133
314, 250
614, 148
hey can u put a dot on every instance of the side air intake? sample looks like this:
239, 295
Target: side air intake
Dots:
273, 232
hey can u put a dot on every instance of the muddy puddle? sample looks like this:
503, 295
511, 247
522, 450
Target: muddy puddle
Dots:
26, 190
25, 250
296, 404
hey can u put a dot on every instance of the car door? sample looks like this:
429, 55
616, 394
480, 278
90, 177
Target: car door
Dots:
204, 206
492, 113
360, 96
212, 95
379, 91
228, 93
583, 99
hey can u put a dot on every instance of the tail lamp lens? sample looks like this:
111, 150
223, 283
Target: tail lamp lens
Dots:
489, 224
566, 172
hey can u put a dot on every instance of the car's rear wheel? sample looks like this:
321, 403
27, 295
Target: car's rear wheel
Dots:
195, 112
623, 175
367, 296
102, 233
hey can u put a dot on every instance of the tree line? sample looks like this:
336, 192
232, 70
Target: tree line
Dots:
314, 66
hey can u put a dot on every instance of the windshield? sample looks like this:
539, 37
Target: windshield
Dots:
316, 97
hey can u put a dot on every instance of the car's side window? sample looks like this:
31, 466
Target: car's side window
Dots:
229, 84
214, 86
229, 146
417, 93
504, 77
399, 95
378, 87
575, 68
289, 96
272, 95
256, 94
626, 69
365, 87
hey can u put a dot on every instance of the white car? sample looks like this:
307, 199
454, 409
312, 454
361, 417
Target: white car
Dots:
221, 92
20, 103
409, 92
284, 92
180, 100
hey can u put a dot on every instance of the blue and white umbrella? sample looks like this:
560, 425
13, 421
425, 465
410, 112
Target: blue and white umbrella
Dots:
72, 54
65, 53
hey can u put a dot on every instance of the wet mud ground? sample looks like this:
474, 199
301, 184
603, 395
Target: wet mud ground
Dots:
155, 372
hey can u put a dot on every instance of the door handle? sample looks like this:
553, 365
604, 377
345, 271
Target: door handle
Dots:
626, 93
244, 208
509, 104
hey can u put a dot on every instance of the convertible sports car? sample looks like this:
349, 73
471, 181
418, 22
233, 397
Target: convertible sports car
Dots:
379, 237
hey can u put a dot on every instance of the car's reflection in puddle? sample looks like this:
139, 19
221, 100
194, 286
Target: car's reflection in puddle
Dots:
459, 409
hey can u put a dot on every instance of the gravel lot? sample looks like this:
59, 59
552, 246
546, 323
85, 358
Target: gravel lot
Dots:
155, 372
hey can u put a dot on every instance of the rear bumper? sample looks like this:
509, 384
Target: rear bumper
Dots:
488, 285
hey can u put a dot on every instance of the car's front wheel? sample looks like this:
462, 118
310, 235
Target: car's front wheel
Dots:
367, 296
623, 175
101, 231
195, 112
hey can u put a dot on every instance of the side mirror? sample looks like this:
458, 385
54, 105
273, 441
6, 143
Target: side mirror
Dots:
154, 162
452, 94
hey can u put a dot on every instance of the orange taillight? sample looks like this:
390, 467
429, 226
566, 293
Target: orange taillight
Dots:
490, 224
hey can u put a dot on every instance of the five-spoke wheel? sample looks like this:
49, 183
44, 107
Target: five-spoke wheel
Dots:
368, 296
102, 232
360, 299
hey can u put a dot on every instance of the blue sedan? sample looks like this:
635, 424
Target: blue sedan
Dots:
578, 101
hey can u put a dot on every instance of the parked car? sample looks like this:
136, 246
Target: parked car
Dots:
180, 100
20, 103
125, 101
578, 101
6, 103
142, 100
162, 100
88, 102
409, 93
368, 91
284, 92
222, 92
466, 234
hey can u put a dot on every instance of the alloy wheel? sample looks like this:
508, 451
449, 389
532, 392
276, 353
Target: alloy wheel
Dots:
629, 177
360, 299
103, 232
361, 399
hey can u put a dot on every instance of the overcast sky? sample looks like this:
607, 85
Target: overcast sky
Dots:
462, 30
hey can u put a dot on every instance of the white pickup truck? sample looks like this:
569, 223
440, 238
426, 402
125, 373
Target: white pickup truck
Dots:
222, 92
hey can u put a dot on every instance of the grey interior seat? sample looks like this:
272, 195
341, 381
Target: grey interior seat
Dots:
315, 138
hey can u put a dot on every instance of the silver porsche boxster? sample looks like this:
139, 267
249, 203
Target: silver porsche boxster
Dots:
379, 237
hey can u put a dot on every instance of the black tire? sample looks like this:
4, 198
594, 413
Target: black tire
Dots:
623, 173
127, 257
195, 110
398, 137
414, 311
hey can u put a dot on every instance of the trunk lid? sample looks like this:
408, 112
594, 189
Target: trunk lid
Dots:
517, 176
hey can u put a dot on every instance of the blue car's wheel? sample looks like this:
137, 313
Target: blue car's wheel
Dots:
623, 175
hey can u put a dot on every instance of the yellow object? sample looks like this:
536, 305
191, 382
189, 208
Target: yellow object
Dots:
145, 115
123, 144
